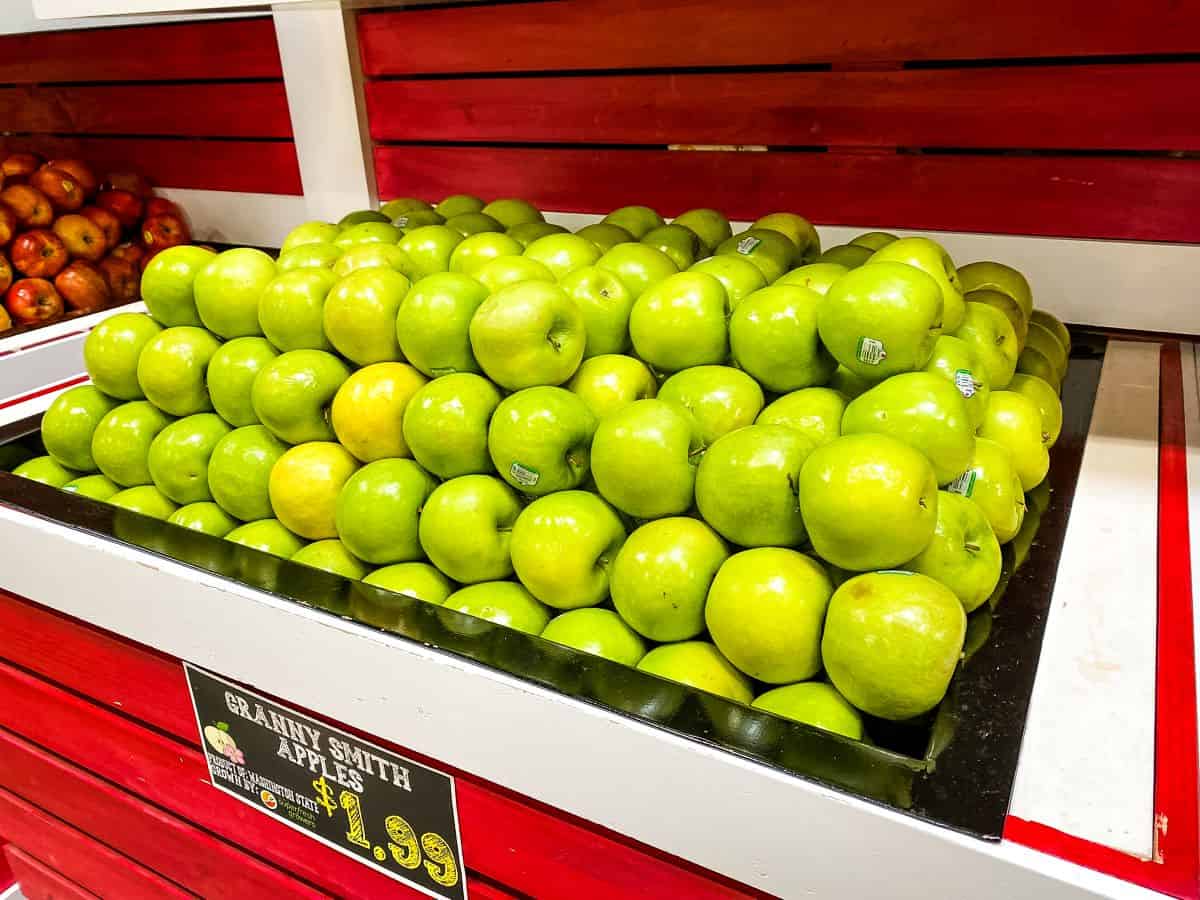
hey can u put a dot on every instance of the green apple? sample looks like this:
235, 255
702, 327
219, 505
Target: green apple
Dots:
605, 235
637, 220
1057, 328
563, 546
964, 554
304, 487
402, 205
121, 442
291, 394
292, 309
638, 266
457, 204
173, 367
874, 240
881, 319
644, 459
368, 233
307, 256
610, 382
367, 414
768, 249
700, 665
998, 277
815, 412
310, 233
413, 579
931, 258
433, 323
1038, 500
528, 232
813, 703
746, 485
720, 398
360, 315
849, 384
680, 322
331, 555
46, 470
239, 471
1036, 389
528, 334
956, 361
710, 226
418, 218
446, 424
167, 281
228, 289
765, 611
179, 455
605, 303
69, 423
111, 351
563, 254
924, 411
359, 216
144, 499
1042, 339
869, 501
1034, 362
267, 536
851, 256
920, 622
378, 509
539, 439
205, 517
599, 632
773, 336
482, 248
992, 483
506, 270
1007, 305
1014, 421
678, 242
466, 528
95, 487
818, 276
231, 374
739, 277
503, 602
796, 229
991, 335
512, 212
428, 249
371, 256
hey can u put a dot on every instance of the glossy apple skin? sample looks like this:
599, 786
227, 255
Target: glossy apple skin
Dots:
6, 280
64, 192
457, 204
368, 233
610, 382
964, 554
239, 470
1045, 397
368, 410
416, 579
678, 242
108, 224
813, 703
446, 424
205, 517
873, 240
528, 232
991, 335
637, 220
638, 266
291, 311
773, 336
479, 249
796, 229
83, 287
95, 487
111, 352
70, 422
228, 290
540, 438
502, 602
230, 377
267, 535
45, 470
125, 205
815, 412
19, 165
80, 171
314, 256
931, 258
168, 282
766, 248
291, 395
179, 455
8, 224
511, 212
31, 206
528, 334
304, 486
998, 277
145, 499
1014, 421
164, 230
710, 226
505, 270
122, 278
121, 442
739, 277
39, 253
563, 254
600, 632
818, 276
466, 528
310, 233
378, 511
331, 555
468, 224
433, 323
605, 235
359, 315
956, 361
698, 664
605, 303
851, 256
680, 322
429, 249
721, 398
172, 370
33, 300
994, 487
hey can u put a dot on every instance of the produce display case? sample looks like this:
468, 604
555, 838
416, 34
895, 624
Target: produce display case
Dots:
1062, 762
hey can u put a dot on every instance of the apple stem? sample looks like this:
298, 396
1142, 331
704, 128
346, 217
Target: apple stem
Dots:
1045, 437
697, 453
973, 548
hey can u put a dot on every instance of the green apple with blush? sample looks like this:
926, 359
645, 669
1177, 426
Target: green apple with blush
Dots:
413, 579
605, 303
720, 398
512, 211
308, 256
563, 254
600, 632
964, 554
204, 516
69, 423
606, 235
231, 374
167, 284
370, 256
292, 394
239, 471
173, 367
680, 322
227, 291
678, 242
611, 382
700, 665
773, 336
709, 225
179, 455
482, 248
739, 277
457, 204
121, 442
378, 510
540, 439
428, 249
931, 258
94, 487
528, 334
637, 220
310, 233
466, 527
291, 313
433, 323
46, 470
111, 352
818, 276
991, 336
446, 424
506, 270
816, 412
528, 232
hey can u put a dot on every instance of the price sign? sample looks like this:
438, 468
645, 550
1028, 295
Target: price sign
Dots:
387, 811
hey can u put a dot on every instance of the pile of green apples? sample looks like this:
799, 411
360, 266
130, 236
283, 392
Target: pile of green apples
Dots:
775, 474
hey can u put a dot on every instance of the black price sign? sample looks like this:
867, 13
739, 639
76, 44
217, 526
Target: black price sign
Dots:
386, 811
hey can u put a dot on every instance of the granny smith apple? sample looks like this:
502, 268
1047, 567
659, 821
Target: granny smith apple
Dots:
446, 424
506, 270
919, 621
145, 499
96, 487
528, 334
1042, 339
402, 205
111, 351
739, 277
413, 579
770, 250
304, 487
368, 233
849, 384
173, 367
428, 249
991, 336
563, 254
818, 276
239, 471
466, 528
206, 517
46, 470
331, 555
605, 303
720, 398
433, 322
121, 442
308, 256
1056, 327
773, 336
1037, 501
796, 229
710, 226
539, 439
482, 248
367, 414
167, 282
637, 220
359, 216
457, 204
605, 235
931, 258
1014, 421
292, 393
503, 602
680, 322
360, 315
992, 483
599, 632
869, 501
678, 242
267, 536
528, 232
815, 412
563, 547
998, 277
291, 312
418, 218
510, 212
1036, 389
228, 289
1034, 362
765, 611
700, 665
881, 319
371, 256
964, 554
661, 576
813, 703
610, 382
956, 361
231, 374
746, 485
310, 233
874, 240
638, 266
1006, 304
179, 455
69, 423
644, 459
851, 256
378, 509
926, 412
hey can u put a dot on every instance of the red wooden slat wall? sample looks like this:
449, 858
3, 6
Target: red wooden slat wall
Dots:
197, 105
1048, 117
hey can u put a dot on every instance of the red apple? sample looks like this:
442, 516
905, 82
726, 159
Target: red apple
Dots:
122, 278
133, 253
5, 321
8, 224
82, 237
32, 207
6, 274
65, 193
33, 300
157, 206
39, 253
128, 181
125, 205
107, 222
80, 171
83, 286
20, 165
162, 231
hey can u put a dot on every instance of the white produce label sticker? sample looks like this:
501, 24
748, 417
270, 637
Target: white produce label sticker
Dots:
870, 351
964, 484
965, 383
523, 475
748, 245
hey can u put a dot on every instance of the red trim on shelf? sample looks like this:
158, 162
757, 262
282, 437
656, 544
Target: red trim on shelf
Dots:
53, 340
43, 391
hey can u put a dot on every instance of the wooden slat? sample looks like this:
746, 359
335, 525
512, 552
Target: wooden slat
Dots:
40, 882
563, 35
211, 109
235, 48
1067, 196
1128, 107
